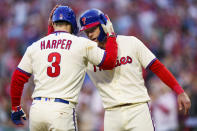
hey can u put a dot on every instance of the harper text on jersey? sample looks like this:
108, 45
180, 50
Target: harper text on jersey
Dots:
55, 44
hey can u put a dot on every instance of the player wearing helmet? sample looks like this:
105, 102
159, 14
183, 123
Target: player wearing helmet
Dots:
58, 63
122, 89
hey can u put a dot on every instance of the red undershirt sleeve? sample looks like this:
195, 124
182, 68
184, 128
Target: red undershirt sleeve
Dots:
19, 78
109, 60
50, 30
162, 72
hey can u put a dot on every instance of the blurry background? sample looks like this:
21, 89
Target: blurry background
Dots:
167, 27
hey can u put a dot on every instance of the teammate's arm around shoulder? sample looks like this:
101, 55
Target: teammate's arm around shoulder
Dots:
111, 47
106, 59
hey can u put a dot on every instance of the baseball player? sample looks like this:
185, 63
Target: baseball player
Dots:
58, 63
122, 89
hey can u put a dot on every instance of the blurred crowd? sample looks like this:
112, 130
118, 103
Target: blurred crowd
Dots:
167, 27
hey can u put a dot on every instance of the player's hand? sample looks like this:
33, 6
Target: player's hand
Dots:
184, 103
50, 22
17, 115
51, 15
108, 27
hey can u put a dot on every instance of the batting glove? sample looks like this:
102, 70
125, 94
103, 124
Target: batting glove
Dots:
108, 27
51, 15
17, 114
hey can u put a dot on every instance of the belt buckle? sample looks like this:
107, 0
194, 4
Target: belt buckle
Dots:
47, 99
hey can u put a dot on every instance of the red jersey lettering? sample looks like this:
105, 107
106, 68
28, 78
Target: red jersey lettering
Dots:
48, 45
62, 47
58, 43
69, 42
42, 45
53, 44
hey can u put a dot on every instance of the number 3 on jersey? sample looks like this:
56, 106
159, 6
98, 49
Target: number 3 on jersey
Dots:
55, 65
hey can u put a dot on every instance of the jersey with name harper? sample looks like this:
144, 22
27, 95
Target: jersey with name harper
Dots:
58, 63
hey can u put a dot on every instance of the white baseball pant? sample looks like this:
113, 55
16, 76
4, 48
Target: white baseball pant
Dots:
48, 115
132, 117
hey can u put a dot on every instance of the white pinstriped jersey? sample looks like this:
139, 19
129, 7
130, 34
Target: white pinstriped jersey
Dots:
124, 84
58, 63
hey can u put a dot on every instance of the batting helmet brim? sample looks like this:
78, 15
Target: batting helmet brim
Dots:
89, 26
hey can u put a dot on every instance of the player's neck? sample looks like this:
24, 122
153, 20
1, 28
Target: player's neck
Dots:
63, 28
102, 44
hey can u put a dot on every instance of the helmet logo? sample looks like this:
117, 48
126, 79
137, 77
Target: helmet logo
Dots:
84, 20
61, 16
